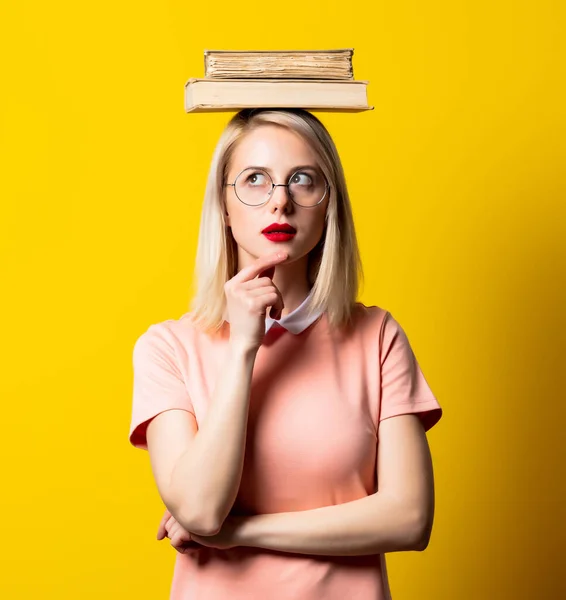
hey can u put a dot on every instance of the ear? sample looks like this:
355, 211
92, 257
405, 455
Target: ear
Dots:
226, 215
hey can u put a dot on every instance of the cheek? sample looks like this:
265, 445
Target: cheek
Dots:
317, 224
240, 223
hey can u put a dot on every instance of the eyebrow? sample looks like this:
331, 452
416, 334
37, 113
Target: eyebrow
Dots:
292, 170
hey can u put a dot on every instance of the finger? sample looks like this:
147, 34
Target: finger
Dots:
161, 531
259, 265
180, 537
175, 529
261, 291
170, 523
276, 308
267, 298
265, 286
253, 284
266, 294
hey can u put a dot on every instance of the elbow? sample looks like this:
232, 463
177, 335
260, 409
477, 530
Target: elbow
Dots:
193, 519
422, 530
204, 527
200, 523
422, 543
414, 527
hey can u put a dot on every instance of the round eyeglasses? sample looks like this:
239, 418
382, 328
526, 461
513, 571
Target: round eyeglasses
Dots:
306, 187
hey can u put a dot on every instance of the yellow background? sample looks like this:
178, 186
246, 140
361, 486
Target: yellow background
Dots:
458, 182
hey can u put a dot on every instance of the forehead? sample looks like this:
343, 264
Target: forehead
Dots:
274, 147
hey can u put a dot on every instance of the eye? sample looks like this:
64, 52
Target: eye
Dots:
302, 178
256, 178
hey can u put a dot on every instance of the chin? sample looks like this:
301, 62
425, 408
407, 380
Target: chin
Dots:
292, 249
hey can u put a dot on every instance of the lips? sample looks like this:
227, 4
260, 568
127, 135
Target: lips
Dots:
279, 228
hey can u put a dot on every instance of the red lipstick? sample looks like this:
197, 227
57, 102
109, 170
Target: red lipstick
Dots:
279, 232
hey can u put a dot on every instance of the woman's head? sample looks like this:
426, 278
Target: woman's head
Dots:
234, 216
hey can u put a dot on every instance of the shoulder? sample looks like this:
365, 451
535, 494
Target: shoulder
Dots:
377, 323
370, 316
176, 335
363, 326
373, 315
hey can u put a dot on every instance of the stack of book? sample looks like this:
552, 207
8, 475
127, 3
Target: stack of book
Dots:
310, 79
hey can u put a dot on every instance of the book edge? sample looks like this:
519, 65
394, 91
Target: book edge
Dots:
237, 107
276, 52
272, 80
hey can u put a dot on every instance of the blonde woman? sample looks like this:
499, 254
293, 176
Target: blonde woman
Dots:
285, 421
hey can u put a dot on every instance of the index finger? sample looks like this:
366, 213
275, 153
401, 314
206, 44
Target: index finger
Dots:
261, 264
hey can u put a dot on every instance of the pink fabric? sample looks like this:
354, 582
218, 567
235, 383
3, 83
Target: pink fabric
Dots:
317, 398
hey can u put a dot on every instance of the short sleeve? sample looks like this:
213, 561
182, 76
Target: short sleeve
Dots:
158, 382
404, 388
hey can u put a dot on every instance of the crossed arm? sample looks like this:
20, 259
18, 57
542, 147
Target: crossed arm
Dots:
398, 517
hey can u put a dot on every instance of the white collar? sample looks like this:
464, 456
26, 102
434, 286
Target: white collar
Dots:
297, 320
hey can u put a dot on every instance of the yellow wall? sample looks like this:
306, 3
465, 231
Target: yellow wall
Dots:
458, 182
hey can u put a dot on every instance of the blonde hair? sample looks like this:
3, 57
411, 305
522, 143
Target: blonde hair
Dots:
335, 268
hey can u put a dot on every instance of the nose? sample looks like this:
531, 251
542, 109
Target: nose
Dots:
280, 199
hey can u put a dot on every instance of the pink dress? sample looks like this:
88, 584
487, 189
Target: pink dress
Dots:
317, 399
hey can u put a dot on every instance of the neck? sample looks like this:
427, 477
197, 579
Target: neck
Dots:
294, 287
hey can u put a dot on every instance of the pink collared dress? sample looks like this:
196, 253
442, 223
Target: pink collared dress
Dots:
317, 398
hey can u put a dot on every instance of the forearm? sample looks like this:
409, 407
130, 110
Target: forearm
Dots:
371, 525
207, 476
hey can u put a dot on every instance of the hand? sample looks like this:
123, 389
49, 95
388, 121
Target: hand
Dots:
181, 539
248, 294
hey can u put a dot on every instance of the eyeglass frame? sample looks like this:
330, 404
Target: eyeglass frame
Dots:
274, 185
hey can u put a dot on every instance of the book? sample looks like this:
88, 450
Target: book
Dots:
206, 95
279, 64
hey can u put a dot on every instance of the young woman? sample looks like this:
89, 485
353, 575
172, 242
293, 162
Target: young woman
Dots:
284, 420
